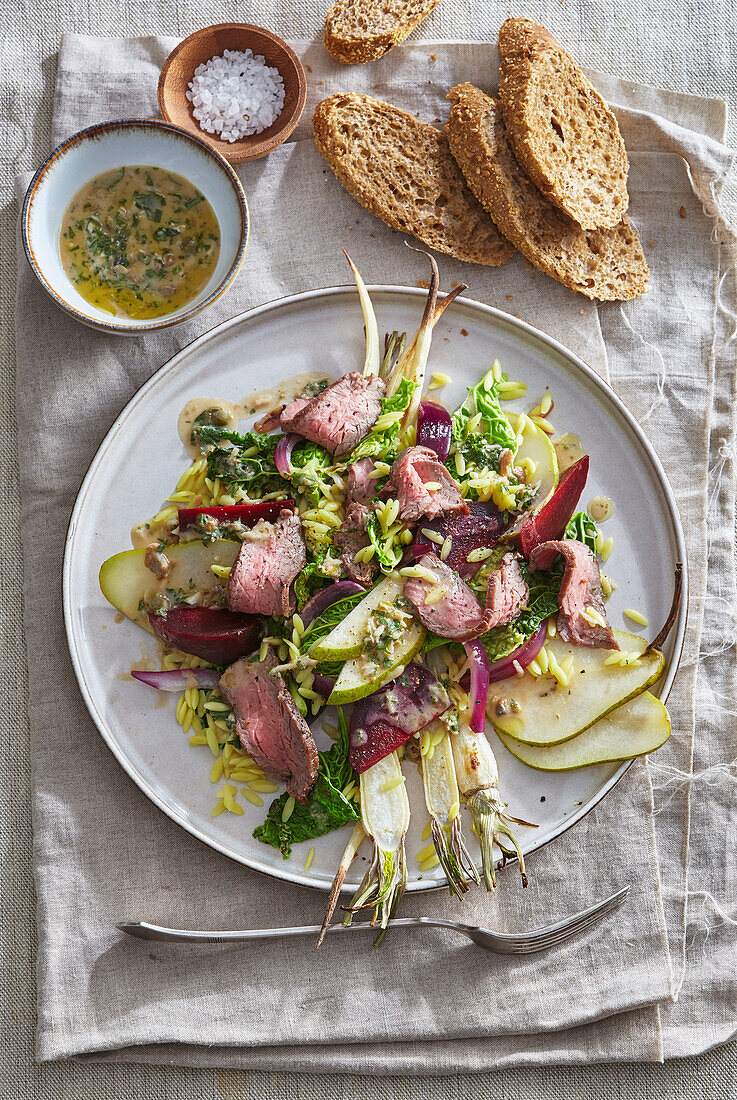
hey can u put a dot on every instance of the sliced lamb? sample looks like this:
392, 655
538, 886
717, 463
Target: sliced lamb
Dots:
506, 593
349, 539
457, 614
269, 726
423, 486
579, 590
338, 418
270, 557
361, 487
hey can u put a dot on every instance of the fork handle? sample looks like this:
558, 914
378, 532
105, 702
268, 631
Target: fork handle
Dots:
143, 930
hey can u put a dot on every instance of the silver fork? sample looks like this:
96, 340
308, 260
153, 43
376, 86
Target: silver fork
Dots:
503, 943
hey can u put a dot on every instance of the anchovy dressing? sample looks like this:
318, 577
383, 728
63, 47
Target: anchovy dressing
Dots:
600, 509
139, 241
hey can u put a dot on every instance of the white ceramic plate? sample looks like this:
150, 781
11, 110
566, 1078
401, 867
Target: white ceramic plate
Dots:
141, 459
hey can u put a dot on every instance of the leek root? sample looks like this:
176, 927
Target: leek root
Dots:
385, 817
442, 799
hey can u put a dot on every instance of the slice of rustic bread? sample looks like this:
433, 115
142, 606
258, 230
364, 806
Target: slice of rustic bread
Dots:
561, 131
402, 171
362, 30
608, 264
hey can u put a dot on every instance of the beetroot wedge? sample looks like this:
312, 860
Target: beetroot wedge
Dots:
482, 526
382, 722
552, 519
211, 633
247, 514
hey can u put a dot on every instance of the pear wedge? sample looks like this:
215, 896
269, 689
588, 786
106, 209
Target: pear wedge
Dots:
537, 447
346, 640
125, 581
540, 711
635, 729
352, 683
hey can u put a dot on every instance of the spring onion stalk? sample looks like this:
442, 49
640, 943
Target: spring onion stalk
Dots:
351, 848
412, 362
385, 817
373, 358
442, 799
478, 777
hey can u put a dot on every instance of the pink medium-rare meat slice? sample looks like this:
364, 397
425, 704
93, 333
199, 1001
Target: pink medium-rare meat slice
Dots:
580, 591
339, 417
270, 557
269, 725
349, 539
423, 486
506, 593
361, 487
453, 611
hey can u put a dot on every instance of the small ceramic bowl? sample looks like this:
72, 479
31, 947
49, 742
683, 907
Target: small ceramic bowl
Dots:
210, 42
110, 145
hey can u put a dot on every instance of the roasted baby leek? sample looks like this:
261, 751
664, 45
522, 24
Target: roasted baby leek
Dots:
442, 799
478, 776
385, 817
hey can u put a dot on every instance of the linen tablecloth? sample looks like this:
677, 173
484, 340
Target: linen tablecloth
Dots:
667, 357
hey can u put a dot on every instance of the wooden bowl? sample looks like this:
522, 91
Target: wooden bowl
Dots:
210, 42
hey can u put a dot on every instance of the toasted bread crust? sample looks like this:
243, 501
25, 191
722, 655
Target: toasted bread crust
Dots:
606, 264
357, 31
562, 132
402, 171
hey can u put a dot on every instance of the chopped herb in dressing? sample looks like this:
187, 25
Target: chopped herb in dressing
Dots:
139, 242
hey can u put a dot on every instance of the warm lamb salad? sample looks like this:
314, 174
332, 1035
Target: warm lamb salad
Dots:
363, 548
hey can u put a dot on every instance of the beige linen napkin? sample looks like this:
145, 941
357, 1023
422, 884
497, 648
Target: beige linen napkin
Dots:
103, 852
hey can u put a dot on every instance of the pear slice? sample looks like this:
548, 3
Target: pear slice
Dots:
634, 729
126, 581
346, 640
535, 446
540, 711
354, 681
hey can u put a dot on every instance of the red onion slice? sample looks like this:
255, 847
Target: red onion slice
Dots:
434, 429
178, 679
499, 670
485, 672
283, 453
326, 597
479, 687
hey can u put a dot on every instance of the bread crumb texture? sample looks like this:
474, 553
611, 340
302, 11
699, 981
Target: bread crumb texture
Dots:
606, 264
402, 171
562, 132
357, 31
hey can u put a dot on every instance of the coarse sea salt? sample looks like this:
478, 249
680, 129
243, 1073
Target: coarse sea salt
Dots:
236, 95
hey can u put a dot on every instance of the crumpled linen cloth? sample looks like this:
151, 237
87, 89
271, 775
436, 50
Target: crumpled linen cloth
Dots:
656, 981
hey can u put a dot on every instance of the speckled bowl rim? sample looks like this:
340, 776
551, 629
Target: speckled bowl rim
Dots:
142, 124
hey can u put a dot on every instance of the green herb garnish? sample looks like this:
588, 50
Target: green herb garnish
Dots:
151, 202
583, 528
